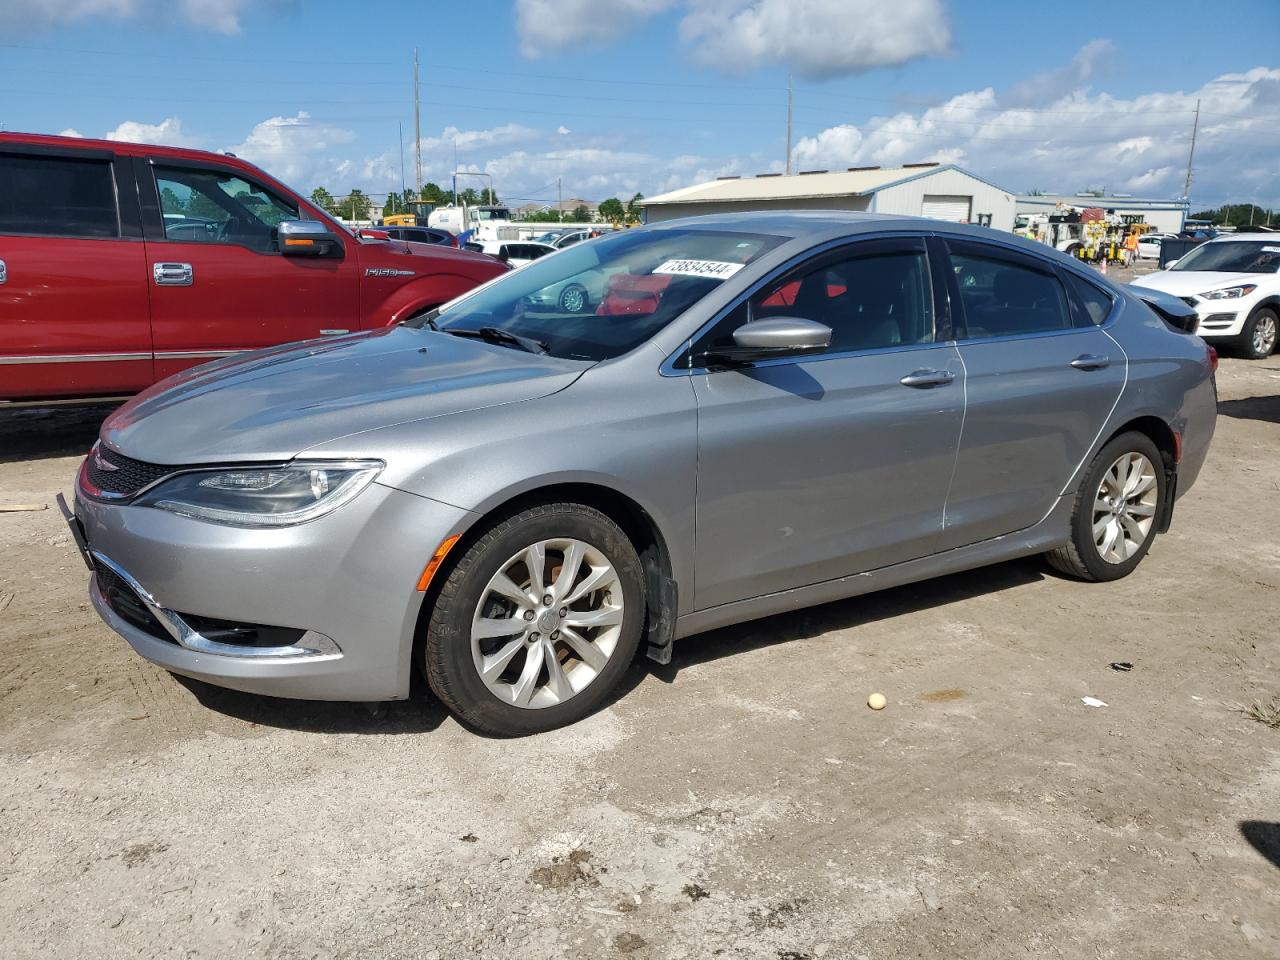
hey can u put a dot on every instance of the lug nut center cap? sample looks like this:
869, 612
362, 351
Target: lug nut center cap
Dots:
548, 620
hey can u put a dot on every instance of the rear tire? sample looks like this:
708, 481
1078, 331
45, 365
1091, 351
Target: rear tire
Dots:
1258, 339
1116, 511
490, 657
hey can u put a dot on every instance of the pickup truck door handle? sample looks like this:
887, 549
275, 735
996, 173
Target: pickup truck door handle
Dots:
4, 272
1091, 361
172, 274
928, 378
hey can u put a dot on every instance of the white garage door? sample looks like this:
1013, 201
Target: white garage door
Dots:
941, 206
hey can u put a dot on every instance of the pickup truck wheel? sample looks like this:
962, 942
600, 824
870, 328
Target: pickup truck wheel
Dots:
1116, 511
1258, 339
537, 622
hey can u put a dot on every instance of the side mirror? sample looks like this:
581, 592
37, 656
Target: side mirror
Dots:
306, 238
774, 337
372, 233
1170, 264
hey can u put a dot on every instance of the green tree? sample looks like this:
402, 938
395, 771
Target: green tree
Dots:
469, 197
634, 210
433, 192
354, 206
581, 214
323, 199
612, 211
488, 195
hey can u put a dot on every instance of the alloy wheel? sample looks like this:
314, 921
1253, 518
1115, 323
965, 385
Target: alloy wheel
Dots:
1124, 507
573, 299
1264, 335
547, 623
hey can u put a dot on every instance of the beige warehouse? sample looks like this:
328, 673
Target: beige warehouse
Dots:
945, 192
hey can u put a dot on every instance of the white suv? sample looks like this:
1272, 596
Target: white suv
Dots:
1233, 284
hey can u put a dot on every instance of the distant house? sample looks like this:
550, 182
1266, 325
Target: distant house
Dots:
567, 206
944, 192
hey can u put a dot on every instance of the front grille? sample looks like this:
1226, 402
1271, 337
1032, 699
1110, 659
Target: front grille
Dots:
130, 475
127, 604
1189, 301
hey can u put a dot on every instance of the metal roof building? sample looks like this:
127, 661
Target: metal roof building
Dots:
920, 189
1167, 216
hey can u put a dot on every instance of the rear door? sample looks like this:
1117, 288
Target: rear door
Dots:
1041, 380
74, 317
218, 283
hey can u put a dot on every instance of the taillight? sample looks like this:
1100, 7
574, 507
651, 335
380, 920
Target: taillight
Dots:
1211, 355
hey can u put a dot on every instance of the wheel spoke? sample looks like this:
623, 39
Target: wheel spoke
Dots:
1134, 531
504, 586
604, 617
1109, 538
557, 681
1100, 527
569, 569
535, 558
1143, 484
599, 577
485, 628
591, 655
493, 665
1142, 509
524, 688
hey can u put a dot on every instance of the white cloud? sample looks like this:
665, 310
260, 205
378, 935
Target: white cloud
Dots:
1082, 139
1090, 60
549, 26
296, 150
819, 39
29, 16
71, 132
467, 141
167, 132
563, 130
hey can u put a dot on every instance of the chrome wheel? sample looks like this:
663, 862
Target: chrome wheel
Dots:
1124, 508
573, 299
547, 623
1264, 334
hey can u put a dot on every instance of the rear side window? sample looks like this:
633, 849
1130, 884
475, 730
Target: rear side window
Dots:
57, 197
1093, 303
1005, 298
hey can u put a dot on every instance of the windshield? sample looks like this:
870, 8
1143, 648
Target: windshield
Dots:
601, 299
1233, 257
493, 213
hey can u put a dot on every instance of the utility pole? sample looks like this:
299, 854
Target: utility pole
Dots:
1186, 187
403, 186
559, 201
417, 132
788, 123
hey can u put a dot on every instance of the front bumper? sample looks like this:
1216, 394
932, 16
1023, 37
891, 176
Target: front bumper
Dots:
340, 590
1219, 319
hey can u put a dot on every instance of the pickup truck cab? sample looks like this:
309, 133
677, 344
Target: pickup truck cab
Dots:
121, 264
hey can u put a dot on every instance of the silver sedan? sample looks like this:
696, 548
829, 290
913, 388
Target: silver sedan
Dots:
761, 412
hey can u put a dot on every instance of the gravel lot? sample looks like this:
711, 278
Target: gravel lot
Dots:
741, 803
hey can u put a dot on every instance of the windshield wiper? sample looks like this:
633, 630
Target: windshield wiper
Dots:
423, 320
500, 336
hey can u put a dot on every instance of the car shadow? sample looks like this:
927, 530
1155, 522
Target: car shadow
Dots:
1263, 836
39, 433
847, 614
421, 713
1266, 409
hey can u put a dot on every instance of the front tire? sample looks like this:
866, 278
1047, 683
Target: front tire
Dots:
1116, 511
1258, 339
537, 622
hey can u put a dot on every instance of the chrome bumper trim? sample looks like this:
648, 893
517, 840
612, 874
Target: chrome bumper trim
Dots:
310, 646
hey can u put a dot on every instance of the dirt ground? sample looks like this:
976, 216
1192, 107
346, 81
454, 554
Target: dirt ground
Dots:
742, 803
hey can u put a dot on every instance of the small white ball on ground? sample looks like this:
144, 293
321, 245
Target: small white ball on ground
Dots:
876, 701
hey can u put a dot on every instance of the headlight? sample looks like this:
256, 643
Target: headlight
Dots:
264, 496
1230, 293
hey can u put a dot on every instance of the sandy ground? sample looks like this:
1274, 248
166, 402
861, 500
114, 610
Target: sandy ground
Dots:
743, 803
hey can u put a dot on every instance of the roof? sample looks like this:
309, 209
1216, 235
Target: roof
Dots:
1089, 200
862, 181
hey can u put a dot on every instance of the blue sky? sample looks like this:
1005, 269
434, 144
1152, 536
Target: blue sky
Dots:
618, 96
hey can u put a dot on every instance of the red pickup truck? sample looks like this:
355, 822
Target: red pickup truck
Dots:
121, 264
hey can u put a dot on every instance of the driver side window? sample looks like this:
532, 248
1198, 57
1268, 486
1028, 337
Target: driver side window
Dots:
207, 206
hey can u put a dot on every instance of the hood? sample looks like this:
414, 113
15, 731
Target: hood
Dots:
273, 404
1190, 283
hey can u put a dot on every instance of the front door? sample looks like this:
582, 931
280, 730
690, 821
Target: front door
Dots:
824, 466
218, 283
1041, 378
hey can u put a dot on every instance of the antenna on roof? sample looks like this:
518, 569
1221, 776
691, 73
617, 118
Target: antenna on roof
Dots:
788, 123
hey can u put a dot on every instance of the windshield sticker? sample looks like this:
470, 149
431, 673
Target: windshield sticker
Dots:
1271, 249
711, 269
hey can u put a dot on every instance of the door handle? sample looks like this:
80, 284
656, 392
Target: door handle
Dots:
172, 274
1091, 361
4, 272
928, 378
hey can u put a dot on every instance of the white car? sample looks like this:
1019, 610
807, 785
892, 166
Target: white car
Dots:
1234, 285
515, 252
1149, 245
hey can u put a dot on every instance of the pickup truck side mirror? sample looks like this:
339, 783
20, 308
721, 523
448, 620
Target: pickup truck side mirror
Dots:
774, 337
307, 238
